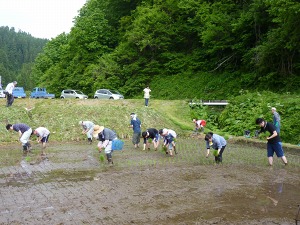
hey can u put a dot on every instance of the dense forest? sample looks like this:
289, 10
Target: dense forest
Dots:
211, 49
182, 48
18, 51
246, 51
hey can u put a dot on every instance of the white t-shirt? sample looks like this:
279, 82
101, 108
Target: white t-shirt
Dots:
147, 93
42, 131
10, 87
172, 132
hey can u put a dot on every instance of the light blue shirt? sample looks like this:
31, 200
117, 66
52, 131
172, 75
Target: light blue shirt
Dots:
218, 142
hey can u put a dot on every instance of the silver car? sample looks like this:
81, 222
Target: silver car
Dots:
73, 94
107, 94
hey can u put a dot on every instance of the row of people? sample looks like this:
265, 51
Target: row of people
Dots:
106, 137
25, 132
152, 134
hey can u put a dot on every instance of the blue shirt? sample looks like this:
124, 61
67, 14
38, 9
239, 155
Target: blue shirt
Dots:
21, 127
136, 125
217, 142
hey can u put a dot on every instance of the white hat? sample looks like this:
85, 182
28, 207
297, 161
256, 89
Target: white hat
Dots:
164, 131
273, 108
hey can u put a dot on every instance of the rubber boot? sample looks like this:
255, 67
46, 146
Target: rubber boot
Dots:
109, 158
90, 140
28, 147
25, 150
174, 147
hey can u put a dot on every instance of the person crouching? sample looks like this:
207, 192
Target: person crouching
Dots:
105, 137
218, 143
169, 140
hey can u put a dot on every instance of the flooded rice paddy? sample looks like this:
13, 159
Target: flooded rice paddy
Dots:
75, 186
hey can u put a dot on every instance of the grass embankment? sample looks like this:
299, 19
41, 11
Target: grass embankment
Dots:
61, 117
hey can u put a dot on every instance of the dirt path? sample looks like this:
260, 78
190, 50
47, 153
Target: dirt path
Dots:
146, 187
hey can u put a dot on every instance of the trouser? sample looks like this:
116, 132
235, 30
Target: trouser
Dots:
219, 157
25, 137
89, 134
136, 138
10, 99
146, 101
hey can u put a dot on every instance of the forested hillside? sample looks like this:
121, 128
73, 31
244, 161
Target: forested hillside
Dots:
214, 48
18, 51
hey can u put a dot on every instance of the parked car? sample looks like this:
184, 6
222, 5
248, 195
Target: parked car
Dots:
107, 94
40, 93
73, 94
2, 95
19, 92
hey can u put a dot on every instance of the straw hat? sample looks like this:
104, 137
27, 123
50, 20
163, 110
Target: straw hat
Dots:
97, 129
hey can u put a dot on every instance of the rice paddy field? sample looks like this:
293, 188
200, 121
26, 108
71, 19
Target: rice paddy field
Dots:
75, 185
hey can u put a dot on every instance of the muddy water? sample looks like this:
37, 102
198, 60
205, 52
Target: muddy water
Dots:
146, 187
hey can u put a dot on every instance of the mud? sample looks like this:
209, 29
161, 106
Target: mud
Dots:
146, 187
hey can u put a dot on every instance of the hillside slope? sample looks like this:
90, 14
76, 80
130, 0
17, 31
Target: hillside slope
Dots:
61, 116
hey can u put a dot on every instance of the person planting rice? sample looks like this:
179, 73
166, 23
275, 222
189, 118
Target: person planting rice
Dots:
24, 133
154, 135
216, 142
199, 124
169, 140
105, 137
88, 128
43, 136
274, 142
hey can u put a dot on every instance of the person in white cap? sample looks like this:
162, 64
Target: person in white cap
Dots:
88, 128
105, 137
276, 119
9, 93
169, 140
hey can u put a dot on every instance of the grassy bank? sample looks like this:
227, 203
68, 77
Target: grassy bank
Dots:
61, 116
